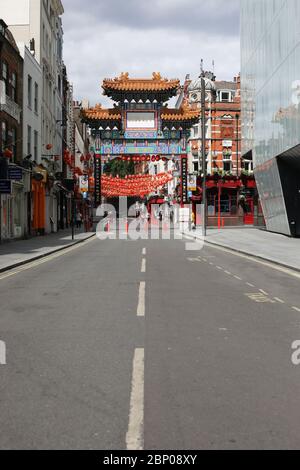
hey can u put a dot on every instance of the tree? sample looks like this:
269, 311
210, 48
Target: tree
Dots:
119, 168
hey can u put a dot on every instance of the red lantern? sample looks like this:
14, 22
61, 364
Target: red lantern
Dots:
7, 153
49, 146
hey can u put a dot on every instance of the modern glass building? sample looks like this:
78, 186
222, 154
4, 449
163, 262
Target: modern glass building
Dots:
270, 81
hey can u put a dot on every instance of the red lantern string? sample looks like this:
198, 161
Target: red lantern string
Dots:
134, 185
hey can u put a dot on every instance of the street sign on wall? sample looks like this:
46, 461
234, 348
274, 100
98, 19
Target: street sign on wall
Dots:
15, 173
5, 187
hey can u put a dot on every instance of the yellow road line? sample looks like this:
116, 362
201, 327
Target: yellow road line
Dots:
45, 259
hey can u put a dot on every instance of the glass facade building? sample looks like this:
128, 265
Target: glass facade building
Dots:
270, 81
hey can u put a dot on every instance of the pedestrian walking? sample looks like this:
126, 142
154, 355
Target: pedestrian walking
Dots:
78, 220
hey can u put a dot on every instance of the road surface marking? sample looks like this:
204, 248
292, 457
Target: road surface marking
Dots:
268, 264
135, 433
45, 259
279, 300
264, 292
238, 278
212, 264
249, 284
144, 251
220, 268
229, 273
260, 298
204, 259
143, 268
296, 308
141, 304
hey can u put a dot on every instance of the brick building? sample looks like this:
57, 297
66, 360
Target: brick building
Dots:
230, 181
14, 180
11, 76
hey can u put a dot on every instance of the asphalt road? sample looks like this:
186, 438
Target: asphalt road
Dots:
184, 350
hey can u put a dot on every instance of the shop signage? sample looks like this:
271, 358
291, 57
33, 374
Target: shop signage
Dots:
5, 187
184, 182
98, 168
15, 173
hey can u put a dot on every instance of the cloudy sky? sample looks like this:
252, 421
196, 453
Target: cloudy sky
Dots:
106, 37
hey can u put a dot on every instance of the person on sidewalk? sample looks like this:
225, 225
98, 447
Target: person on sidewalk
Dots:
193, 221
78, 220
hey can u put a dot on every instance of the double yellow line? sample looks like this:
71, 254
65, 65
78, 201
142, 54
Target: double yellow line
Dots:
45, 259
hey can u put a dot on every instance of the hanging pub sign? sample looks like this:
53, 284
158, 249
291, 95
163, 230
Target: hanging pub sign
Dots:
184, 180
192, 182
98, 169
15, 173
5, 187
84, 184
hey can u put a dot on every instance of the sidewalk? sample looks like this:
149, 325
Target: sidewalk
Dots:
17, 253
259, 243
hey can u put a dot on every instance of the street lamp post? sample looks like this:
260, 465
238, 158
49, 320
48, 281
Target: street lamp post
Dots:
237, 117
203, 139
73, 214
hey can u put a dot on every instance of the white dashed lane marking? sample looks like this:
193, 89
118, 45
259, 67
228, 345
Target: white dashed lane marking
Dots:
143, 267
260, 297
249, 284
135, 433
141, 304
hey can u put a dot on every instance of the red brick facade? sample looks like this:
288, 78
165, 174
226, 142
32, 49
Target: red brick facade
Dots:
11, 73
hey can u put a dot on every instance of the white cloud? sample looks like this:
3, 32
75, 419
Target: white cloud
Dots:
140, 37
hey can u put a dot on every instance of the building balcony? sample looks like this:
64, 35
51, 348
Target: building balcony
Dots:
11, 108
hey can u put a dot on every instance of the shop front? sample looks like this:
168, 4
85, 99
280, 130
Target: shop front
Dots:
230, 201
14, 192
38, 201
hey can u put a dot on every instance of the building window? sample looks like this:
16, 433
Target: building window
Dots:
29, 91
35, 146
248, 166
28, 140
5, 76
36, 98
225, 96
14, 86
3, 134
196, 167
227, 165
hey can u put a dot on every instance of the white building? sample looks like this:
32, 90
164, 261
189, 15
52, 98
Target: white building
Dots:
32, 106
37, 24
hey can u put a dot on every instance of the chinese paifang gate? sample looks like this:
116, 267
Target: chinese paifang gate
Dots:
142, 133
